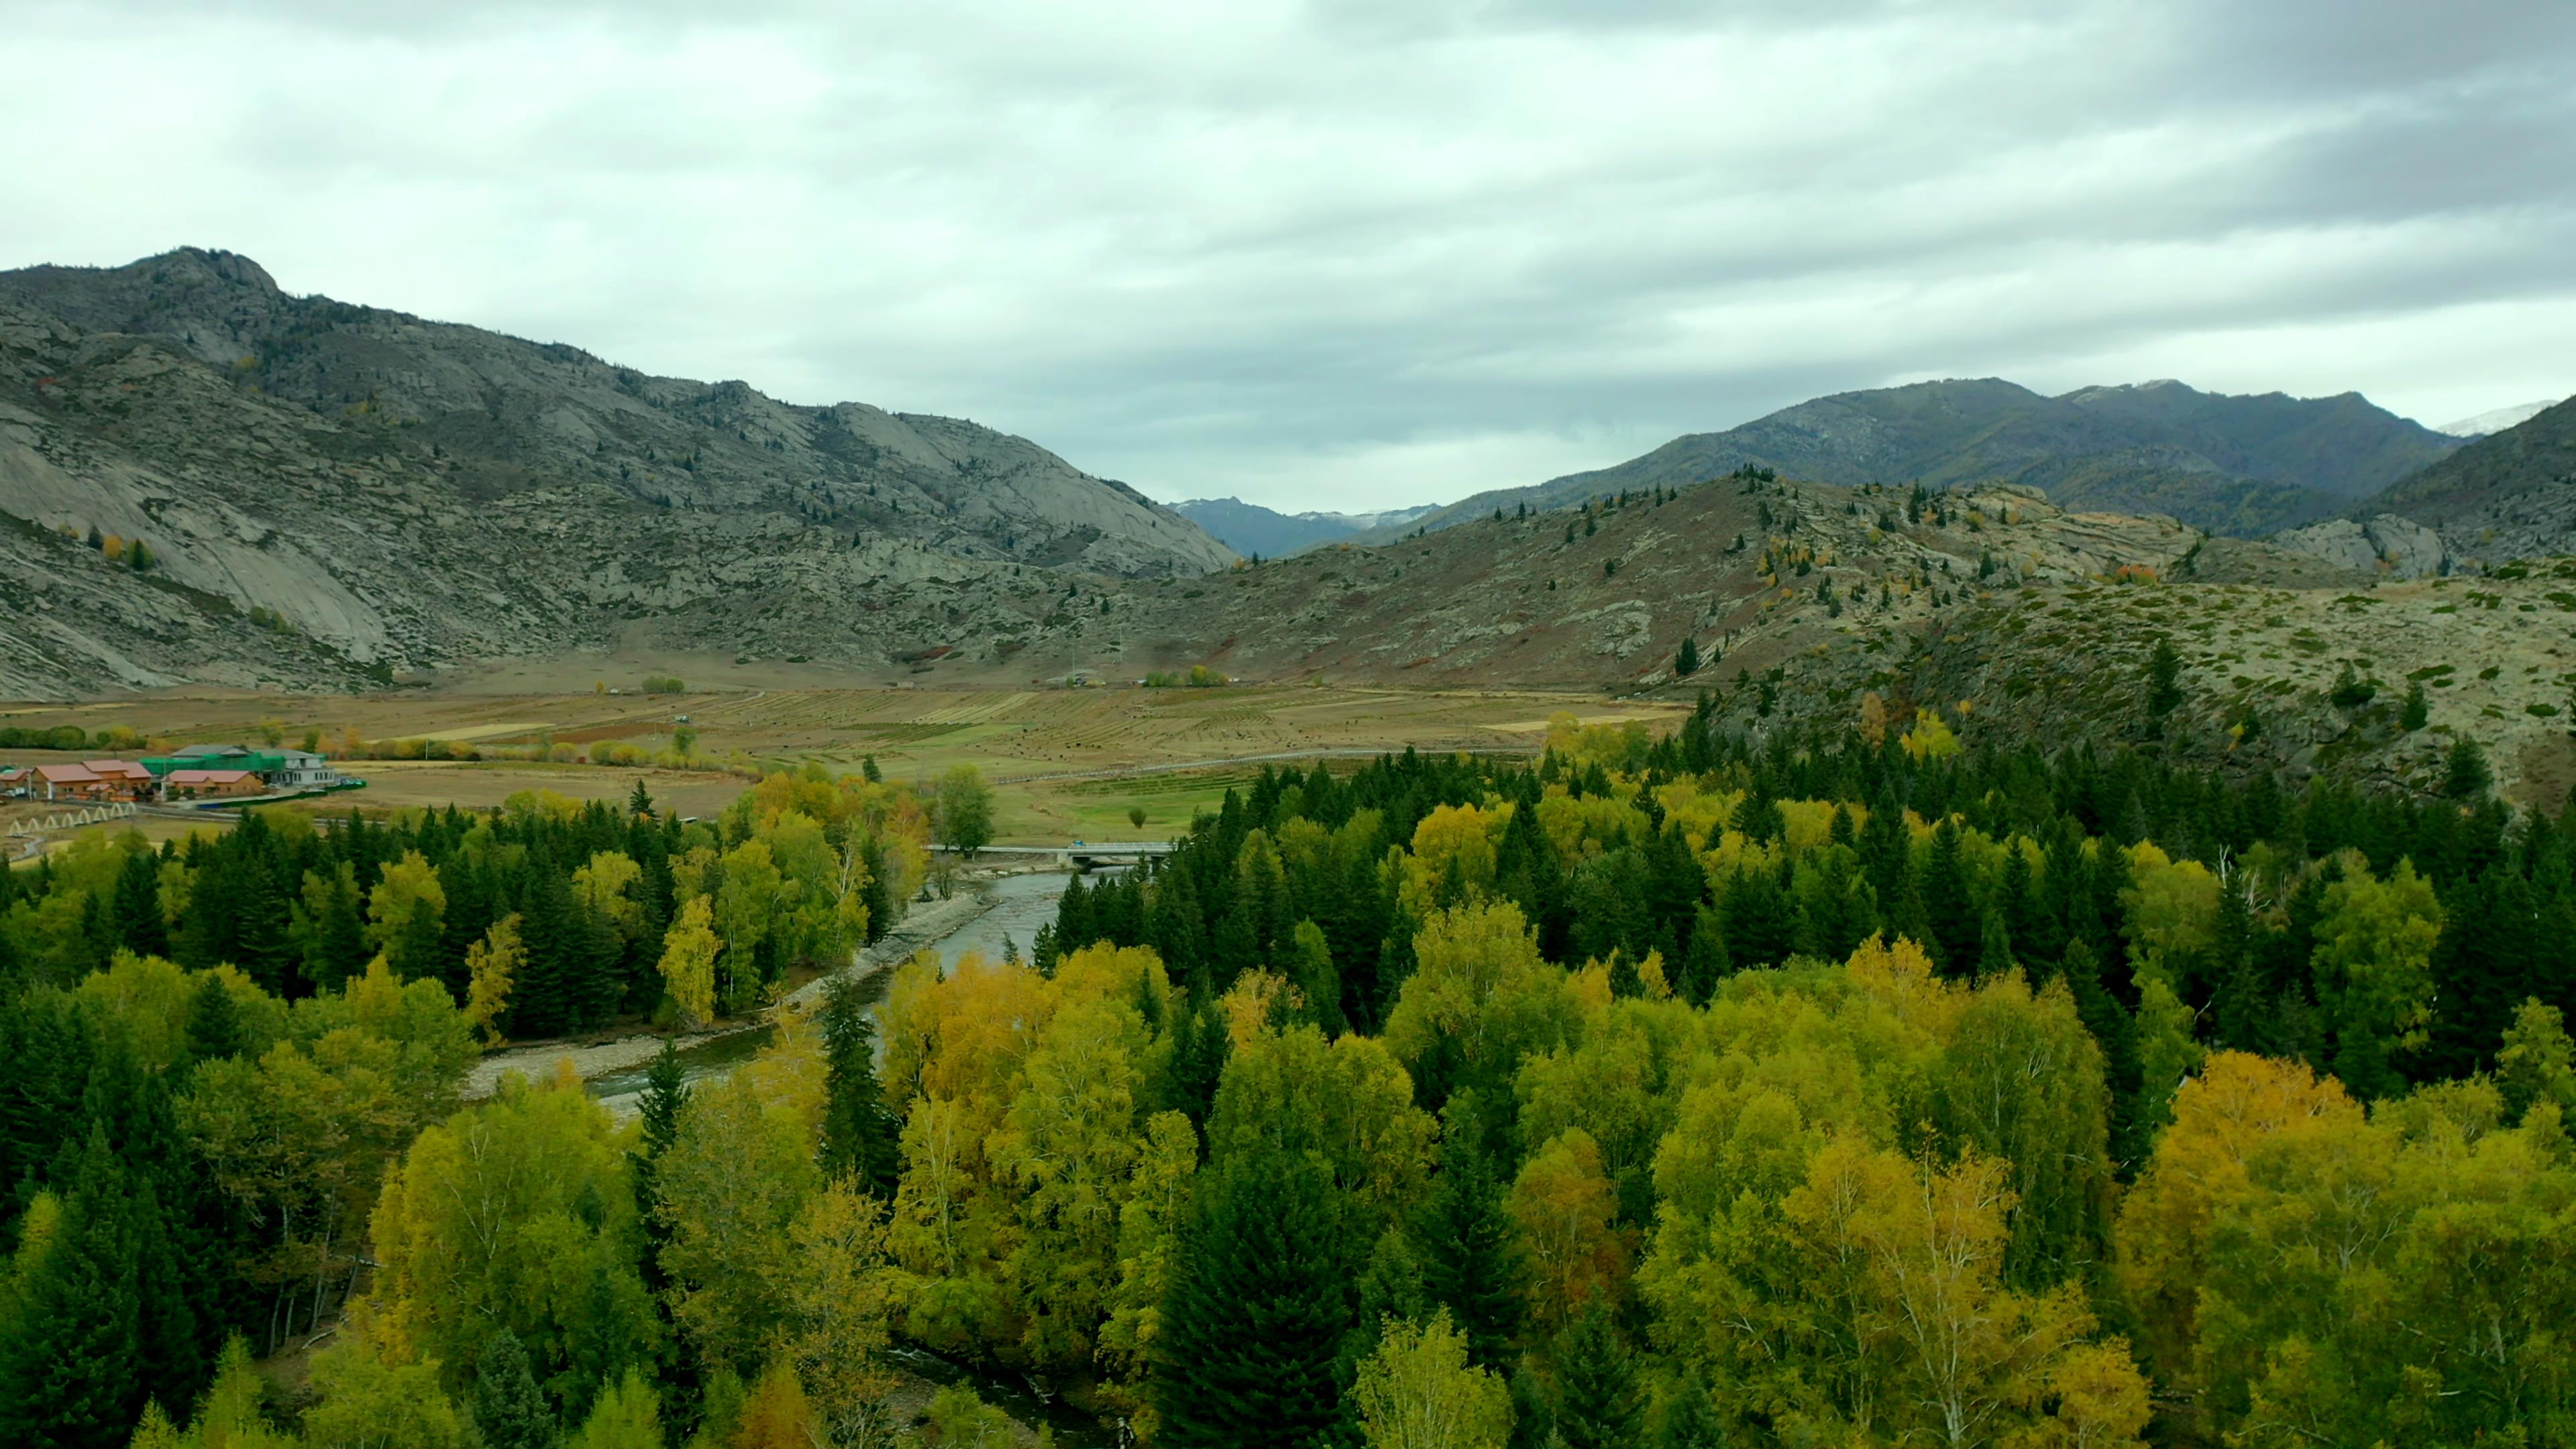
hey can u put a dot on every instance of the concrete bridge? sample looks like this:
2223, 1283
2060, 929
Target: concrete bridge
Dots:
1081, 855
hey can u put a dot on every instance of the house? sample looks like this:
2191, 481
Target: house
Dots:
300, 770
126, 779
13, 780
282, 770
69, 782
211, 784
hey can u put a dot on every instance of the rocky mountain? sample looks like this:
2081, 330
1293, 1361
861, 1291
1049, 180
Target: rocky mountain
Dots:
2240, 465
333, 492
2495, 420
1250, 529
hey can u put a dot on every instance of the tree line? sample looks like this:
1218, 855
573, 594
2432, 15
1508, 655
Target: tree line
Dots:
1688, 1091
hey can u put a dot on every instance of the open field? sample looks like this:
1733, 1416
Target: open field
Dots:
1067, 763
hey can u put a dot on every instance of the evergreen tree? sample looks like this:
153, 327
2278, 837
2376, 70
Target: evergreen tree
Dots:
1759, 922
1255, 1315
72, 1371
2117, 1035
139, 926
2164, 686
859, 1132
1686, 663
1958, 927
1469, 1253
214, 1022
508, 1406
1705, 963
1759, 817
2465, 775
1596, 1400
639, 801
2484, 965
2417, 712
1995, 952
1199, 1050
329, 929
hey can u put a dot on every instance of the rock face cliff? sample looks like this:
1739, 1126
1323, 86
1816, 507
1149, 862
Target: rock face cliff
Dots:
391, 494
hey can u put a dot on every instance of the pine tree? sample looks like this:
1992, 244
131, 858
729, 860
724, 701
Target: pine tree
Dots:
666, 1093
1958, 928
639, 801
1706, 963
859, 1132
1469, 1252
2465, 775
1596, 1400
71, 1366
1995, 952
1759, 817
2417, 712
2164, 686
139, 926
508, 1406
1759, 922
2117, 1035
331, 934
1199, 1050
1254, 1319
1687, 663
2484, 965
214, 1022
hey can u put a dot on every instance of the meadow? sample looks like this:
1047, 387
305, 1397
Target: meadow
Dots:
1065, 763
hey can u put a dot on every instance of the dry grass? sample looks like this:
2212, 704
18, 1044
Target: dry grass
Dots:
1068, 763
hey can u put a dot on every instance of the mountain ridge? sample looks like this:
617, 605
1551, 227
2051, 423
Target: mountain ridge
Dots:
357, 494
2241, 464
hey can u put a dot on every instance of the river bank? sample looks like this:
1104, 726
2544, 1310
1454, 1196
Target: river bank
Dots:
1003, 909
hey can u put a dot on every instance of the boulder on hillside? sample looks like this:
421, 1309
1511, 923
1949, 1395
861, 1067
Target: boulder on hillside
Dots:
2385, 544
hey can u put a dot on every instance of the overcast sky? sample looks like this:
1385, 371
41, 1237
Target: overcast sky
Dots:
1359, 253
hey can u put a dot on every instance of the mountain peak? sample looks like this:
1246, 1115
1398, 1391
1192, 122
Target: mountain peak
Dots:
207, 265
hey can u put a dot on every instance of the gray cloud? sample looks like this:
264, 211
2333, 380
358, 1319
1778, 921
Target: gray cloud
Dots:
1345, 254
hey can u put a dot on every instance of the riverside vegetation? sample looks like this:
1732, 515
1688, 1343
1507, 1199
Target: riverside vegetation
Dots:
1813, 1087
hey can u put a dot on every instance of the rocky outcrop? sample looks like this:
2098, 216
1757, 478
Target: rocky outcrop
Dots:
2384, 543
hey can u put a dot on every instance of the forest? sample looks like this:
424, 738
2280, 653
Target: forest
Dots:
1821, 1087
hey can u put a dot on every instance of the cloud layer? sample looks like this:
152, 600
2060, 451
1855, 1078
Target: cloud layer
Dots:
1349, 254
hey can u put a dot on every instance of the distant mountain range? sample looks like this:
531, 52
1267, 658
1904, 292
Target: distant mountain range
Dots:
2244, 466
332, 494
2495, 420
1250, 529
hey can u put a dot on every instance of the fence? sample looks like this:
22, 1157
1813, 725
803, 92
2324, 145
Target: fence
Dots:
74, 819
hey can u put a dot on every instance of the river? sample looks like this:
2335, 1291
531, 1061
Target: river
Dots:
1020, 904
